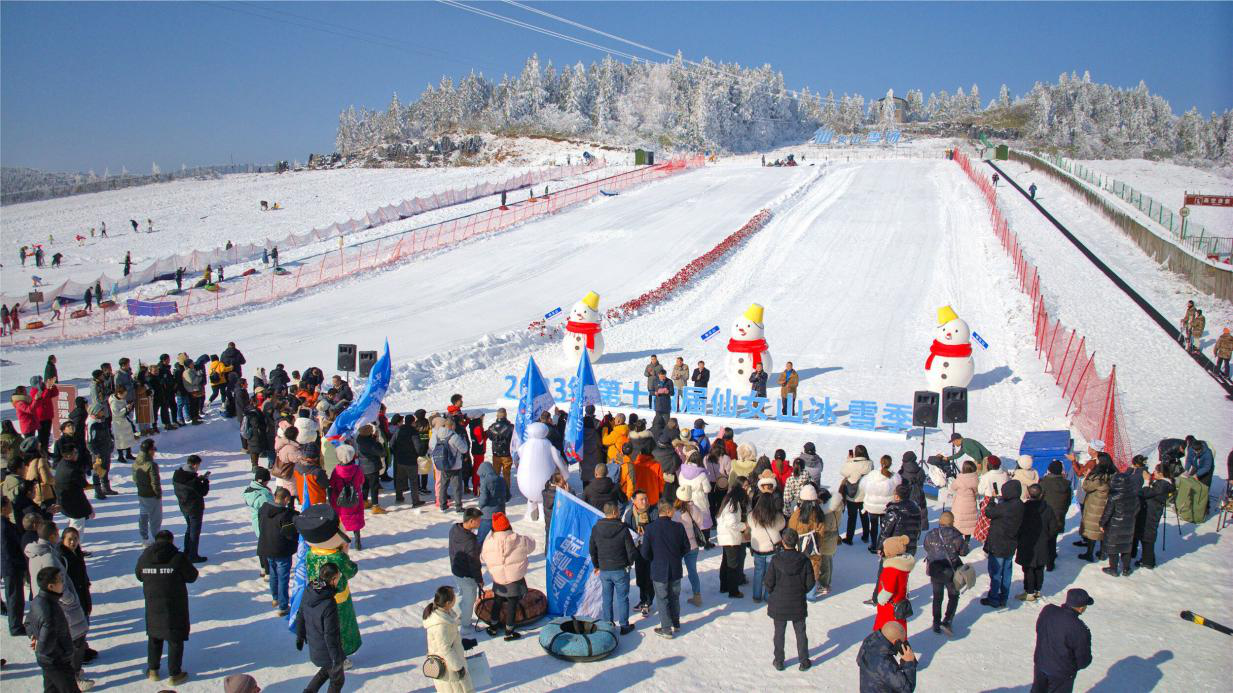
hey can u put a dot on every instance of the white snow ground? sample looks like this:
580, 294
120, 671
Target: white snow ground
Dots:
851, 271
1167, 183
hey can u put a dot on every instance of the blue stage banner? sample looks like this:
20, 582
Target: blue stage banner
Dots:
573, 587
154, 309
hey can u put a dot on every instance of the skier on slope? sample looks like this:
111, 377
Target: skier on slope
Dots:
996, 178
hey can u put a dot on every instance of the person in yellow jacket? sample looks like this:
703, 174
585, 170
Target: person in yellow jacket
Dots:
217, 372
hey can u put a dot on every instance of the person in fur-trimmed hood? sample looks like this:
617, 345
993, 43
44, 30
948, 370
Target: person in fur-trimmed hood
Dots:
893, 582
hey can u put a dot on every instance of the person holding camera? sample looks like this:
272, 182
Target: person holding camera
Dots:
887, 662
191, 489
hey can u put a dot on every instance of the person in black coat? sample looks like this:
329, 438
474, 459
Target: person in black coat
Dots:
277, 541
1118, 519
80, 417
500, 434
48, 626
602, 489
592, 454
903, 517
1063, 644
70, 478
880, 671
911, 474
664, 545
75, 563
1058, 494
13, 567
1152, 500
612, 553
701, 375
317, 624
164, 573
1038, 525
405, 452
371, 456
465, 564
232, 357
1005, 515
788, 580
191, 489
664, 390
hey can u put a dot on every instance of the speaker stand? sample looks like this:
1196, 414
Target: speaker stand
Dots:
923, 431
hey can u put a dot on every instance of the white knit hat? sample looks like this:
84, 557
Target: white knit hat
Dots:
1025, 461
809, 493
683, 493
345, 453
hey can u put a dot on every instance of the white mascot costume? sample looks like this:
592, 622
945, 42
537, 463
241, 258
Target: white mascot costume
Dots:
950, 357
537, 460
582, 329
747, 348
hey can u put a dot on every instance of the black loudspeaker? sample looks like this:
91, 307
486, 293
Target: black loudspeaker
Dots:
346, 357
367, 359
925, 409
954, 405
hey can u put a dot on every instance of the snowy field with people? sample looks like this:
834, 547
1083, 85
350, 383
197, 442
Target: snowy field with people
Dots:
844, 280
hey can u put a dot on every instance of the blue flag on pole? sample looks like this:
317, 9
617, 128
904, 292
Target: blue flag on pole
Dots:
534, 398
573, 587
366, 407
587, 392
299, 576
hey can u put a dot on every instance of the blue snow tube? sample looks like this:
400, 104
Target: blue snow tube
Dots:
578, 639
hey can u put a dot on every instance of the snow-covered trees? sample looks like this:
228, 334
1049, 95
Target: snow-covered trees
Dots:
709, 105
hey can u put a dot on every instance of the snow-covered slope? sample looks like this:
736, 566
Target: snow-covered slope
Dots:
851, 270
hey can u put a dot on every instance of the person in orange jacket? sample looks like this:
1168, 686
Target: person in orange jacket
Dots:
649, 477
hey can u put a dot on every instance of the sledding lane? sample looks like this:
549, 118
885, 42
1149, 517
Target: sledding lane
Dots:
493, 284
852, 276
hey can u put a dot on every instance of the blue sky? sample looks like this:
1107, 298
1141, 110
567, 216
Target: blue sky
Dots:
97, 85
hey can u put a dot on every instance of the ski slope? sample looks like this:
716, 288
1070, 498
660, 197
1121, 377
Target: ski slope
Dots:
851, 270
496, 283
1166, 393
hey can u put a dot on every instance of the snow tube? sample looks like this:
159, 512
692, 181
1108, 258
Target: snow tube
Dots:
608, 194
80, 313
578, 639
107, 305
211, 287
280, 271
531, 608
34, 324
248, 272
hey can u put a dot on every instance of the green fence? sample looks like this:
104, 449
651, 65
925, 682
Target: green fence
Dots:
1189, 235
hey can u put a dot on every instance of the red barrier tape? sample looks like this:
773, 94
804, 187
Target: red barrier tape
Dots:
1093, 401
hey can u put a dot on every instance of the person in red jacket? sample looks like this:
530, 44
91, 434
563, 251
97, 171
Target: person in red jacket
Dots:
781, 467
27, 410
893, 582
726, 443
479, 442
44, 396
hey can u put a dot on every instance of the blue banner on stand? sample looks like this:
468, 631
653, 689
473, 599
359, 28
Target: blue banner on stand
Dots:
586, 391
573, 587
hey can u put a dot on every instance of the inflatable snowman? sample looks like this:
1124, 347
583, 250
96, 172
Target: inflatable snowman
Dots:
537, 460
950, 357
582, 329
747, 348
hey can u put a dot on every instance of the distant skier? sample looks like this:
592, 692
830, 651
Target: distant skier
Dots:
1032, 191
229, 246
179, 279
221, 279
103, 229
136, 227
274, 256
55, 308
98, 293
996, 178
38, 256
56, 258
265, 256
128, 261
207, 275
149, 226
89, 298
21, 252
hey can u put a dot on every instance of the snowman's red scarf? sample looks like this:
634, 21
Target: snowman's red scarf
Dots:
590, 329
940, 349
749, 346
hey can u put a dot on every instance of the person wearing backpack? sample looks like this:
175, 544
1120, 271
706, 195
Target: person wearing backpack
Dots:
347, 492
447, 449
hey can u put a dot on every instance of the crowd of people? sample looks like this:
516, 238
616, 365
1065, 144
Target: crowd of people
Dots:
668, 494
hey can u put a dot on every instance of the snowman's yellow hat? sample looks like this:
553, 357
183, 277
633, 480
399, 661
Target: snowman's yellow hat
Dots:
754, 313
591, 300
946, 314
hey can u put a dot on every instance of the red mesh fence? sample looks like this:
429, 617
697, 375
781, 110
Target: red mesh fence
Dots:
341, 264
1092, 400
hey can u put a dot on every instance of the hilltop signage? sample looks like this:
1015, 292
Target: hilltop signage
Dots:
1209, 200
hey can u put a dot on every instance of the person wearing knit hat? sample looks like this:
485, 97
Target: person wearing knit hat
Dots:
893, 581
507, 555
691, 517
1026, 475
240, 683
346, 492
1223, 351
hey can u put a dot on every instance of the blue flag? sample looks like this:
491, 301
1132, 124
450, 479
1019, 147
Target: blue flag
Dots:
573, 587
299, 577
586, 392
366, 407
534, 398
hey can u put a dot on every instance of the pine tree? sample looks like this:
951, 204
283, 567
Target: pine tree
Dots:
1004, 97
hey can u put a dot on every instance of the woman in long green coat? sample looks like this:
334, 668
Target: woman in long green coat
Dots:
337, 554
